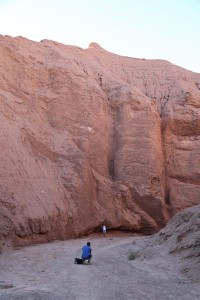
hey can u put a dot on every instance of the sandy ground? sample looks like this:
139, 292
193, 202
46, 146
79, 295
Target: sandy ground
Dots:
48, 271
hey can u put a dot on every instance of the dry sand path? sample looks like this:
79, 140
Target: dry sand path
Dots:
47, 271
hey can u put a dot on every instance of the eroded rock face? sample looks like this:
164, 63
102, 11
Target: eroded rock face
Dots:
180, 238
88, 137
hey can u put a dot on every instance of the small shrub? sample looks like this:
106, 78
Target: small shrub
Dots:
132, 255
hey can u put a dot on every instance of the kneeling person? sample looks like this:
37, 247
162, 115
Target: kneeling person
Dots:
87, 252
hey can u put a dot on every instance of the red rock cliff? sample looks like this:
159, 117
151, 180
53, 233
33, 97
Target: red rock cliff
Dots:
88, 136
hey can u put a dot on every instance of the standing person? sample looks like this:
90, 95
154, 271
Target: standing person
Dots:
87, 252
104, 230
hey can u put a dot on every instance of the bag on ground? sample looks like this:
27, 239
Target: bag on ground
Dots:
78, 261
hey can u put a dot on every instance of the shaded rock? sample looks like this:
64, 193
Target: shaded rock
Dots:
180, 238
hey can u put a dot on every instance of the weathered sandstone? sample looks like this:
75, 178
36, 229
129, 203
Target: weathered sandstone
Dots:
88, 137
180, 239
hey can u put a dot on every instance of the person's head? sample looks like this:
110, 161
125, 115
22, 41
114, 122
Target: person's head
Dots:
88, 243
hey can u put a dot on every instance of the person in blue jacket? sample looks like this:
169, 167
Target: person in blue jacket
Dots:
87, 252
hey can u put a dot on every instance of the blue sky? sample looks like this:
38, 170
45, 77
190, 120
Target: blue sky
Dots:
163, 29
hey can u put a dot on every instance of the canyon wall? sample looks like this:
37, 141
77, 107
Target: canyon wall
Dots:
88, 137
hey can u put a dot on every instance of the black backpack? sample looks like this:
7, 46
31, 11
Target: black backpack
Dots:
78, 261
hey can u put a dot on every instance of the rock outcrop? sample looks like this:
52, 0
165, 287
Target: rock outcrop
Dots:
88, 137
179, 239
